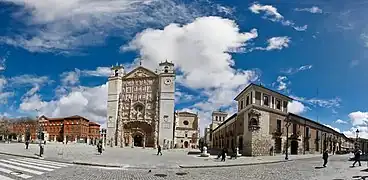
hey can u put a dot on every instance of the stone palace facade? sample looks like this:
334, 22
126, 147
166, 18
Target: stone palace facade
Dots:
140, 107
262, 124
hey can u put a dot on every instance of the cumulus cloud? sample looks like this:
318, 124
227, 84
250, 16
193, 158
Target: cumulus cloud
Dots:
358, 118
64, 27
271, 13
201, 52
291, 71
313, 10
296, 107
89, 102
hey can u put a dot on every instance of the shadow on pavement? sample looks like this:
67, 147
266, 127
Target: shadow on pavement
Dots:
319, 167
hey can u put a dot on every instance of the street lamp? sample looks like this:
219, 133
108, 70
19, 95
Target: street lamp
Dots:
357, 136
288, 123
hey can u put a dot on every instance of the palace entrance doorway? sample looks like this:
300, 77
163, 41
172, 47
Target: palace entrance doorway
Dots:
138, 140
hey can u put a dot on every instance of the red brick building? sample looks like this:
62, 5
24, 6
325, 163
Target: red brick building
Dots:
70, 129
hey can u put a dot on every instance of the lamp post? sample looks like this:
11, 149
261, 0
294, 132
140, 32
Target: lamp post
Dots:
357, 136
288, 123
39, 133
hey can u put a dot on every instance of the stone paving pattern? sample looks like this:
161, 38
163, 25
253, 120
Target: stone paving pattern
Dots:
133, 157
303, 169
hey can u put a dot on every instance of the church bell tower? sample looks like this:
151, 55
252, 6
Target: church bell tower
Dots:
114, 90
166, 96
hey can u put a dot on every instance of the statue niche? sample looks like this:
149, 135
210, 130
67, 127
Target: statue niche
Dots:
138, 111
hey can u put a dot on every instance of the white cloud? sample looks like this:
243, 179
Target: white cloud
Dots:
3, 60
200, 52
364, 37
69, 25
29, 79
326, 103
80, 101
296, 107
182, 97
71, 77
282, 85
3, 82
274, 43
313, 10
99, 72
359, 118
272, 14
363, 132
278, 43
339, 121
291, 71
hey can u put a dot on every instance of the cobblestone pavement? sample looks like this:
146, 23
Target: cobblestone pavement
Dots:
304, 169
131, 157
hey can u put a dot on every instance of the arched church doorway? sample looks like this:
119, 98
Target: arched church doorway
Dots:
138, 140
186, 144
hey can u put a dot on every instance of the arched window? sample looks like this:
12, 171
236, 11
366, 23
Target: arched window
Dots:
138, 108
253, 122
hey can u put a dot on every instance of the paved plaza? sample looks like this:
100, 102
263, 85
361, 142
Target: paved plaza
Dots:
302, 169
132, 157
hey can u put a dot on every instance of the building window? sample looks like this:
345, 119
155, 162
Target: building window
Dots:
294, 128
266, 100
241, 104
186, 123
278, 104
278, 126
216, 118
186, 135
285, 105
247, 103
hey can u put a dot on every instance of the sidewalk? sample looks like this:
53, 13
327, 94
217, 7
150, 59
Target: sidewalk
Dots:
83, 154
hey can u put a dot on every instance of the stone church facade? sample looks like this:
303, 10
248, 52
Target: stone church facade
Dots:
140, 107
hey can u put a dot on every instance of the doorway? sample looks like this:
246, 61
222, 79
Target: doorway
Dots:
294, 147
138, 140
278, 143
186, 144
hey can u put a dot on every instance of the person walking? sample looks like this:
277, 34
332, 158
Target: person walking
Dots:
357, 157
325, 158
99, 147
159, 150
223, 154
27, 144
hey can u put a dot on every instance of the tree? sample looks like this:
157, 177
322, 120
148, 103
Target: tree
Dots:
4, 128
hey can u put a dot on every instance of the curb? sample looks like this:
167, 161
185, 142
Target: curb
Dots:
98, 165
230, 165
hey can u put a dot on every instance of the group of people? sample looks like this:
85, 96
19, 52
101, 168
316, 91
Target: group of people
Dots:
357, 154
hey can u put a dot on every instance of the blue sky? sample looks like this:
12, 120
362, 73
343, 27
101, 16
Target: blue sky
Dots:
55, 54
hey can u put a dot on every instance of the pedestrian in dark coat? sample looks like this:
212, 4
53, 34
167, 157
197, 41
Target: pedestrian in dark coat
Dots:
357, 157
159, 150
325, 158
223, 154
